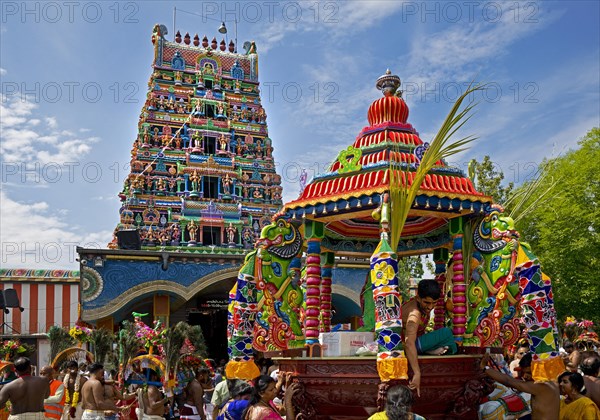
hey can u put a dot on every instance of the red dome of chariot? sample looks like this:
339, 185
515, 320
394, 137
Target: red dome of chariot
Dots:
390, 108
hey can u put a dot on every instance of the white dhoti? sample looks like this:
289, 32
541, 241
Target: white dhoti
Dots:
39, 415
149, 417
92, 415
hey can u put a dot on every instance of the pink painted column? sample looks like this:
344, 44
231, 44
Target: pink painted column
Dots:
313, 231
459, 287
328, 259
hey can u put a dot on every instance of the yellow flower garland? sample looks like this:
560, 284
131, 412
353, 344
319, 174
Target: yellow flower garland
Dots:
76, 390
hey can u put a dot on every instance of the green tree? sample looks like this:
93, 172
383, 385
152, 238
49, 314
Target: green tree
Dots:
488, 180
563, 229
408, 267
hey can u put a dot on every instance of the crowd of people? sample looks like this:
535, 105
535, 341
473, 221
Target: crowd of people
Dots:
89, 393
573, 395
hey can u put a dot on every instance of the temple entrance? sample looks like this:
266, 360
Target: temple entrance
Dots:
213, 321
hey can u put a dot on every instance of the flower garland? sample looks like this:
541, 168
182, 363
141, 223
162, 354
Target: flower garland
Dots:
75, 390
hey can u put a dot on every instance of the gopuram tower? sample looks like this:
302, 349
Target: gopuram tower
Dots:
202, 170
201, 187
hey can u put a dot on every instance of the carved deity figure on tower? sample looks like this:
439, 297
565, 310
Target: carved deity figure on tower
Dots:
231, 230
227, 185
195, 178
192, 228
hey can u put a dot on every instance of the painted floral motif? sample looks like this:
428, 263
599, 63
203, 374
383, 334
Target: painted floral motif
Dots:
388, 339
382, 274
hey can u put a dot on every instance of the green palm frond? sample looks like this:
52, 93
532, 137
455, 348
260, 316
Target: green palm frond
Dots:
59, 340
405, 184
521, 203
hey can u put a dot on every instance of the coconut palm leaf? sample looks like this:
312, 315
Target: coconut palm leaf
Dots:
59, 340
102, 341
405, 184
521, 203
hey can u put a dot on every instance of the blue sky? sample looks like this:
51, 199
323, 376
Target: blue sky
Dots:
74, 77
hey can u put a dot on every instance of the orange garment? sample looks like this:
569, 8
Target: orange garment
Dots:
55, 410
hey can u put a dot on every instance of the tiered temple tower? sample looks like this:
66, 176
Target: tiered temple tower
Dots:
202, 169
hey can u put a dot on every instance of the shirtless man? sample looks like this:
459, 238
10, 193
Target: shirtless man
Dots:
590, 368
112, 393
94, 402
573, 357
155, 406
415, 316
193, 409
26, 393
545, 396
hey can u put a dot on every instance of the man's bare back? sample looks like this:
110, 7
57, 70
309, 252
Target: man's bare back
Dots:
195, 396
27, 393
592, 385
545, 396
545, 401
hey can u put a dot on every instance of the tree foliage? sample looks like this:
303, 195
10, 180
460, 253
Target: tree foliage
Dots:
59, 340
489, 179
564, 232
102, 341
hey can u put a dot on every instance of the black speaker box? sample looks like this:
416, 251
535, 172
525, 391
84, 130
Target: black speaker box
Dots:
129, 239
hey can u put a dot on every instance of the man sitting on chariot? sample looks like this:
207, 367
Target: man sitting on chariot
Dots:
415, 317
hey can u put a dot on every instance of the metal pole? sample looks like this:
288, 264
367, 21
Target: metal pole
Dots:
235, 21
174, 17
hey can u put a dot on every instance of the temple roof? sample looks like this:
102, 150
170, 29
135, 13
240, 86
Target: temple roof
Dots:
345, 195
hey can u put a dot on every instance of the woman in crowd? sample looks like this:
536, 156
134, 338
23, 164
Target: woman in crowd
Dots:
261, 405
397, 406
575, 404
235, 407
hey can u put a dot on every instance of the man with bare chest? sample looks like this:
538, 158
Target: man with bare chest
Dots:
94, 401
415, 317
545, 396
73, 382
26, 393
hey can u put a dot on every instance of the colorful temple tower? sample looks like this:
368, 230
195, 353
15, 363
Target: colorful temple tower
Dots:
202, 186
202, 170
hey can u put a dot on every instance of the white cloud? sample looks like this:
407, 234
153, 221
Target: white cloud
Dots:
51, 121
2, 71
460, 51
25, 140
34, 236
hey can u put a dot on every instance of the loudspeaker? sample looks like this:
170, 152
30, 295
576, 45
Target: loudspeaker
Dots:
129, 239
9, 299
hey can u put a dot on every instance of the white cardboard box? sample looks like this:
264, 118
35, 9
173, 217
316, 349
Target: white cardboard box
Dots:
344, 343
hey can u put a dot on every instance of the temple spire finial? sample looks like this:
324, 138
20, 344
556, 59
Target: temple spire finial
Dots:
388, 83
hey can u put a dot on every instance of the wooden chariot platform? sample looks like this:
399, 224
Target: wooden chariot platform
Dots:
349, 388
